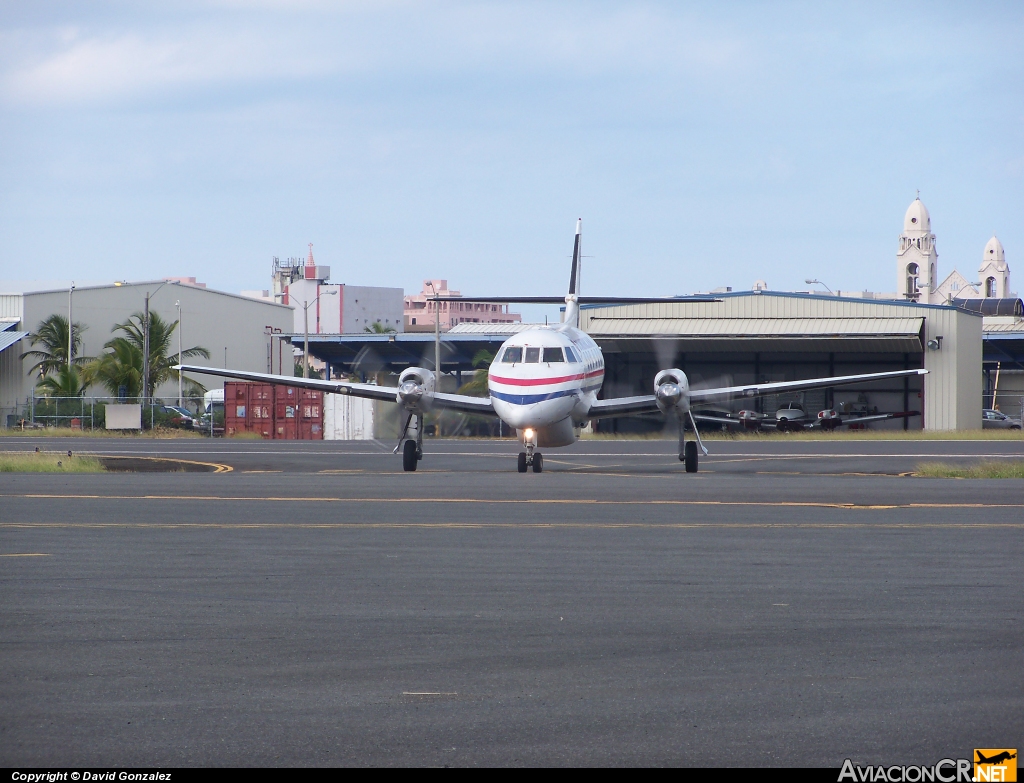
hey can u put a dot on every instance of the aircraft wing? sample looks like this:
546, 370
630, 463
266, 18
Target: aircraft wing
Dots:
876, 417
628, 406
457, 402
623, 406
757, 389
715, 419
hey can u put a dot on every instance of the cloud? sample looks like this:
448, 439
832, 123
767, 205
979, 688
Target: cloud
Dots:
104, 62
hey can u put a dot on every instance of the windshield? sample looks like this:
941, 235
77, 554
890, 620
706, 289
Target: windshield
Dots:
533, 355
512, 355
553, 355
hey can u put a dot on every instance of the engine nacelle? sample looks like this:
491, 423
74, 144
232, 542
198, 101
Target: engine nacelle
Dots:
416, 389
672, 391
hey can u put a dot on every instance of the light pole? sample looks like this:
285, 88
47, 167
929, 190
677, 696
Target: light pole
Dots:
437, 338
305, 324
178, 305
818, 282
71, 328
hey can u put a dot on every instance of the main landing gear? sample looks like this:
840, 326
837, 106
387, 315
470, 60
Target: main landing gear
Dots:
412, 435
530, 458
688, 449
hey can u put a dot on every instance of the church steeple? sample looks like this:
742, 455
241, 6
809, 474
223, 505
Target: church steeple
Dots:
993, 273
917, 258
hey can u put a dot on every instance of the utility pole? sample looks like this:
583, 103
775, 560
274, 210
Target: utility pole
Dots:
305, 343
71, 327
178, 305
145, 351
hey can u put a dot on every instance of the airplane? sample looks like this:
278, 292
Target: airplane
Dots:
544, 384
996, 759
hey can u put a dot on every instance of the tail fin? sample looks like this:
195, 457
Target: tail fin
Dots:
572, 306
574, 276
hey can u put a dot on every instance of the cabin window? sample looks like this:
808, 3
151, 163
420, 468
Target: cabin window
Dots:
513, 355
532, 355
553, 355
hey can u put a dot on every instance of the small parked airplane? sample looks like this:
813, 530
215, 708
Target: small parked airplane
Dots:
792, 418
544, 382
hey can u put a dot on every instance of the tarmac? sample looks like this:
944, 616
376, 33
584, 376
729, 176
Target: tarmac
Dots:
794, 603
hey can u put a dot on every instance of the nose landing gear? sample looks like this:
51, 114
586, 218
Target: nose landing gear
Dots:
530, 458
412, 434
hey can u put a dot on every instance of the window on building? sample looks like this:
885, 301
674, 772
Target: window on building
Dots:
990, 287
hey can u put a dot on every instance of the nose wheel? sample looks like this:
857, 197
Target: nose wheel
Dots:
528, 460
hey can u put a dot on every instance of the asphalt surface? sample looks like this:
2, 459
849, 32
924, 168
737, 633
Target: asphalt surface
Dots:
794, 603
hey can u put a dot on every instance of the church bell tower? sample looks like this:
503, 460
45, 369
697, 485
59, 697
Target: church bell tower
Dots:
917, 259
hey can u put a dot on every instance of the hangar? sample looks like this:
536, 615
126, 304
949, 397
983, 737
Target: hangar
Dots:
744, 337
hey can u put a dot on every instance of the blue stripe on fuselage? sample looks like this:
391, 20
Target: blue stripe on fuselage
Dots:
527, 399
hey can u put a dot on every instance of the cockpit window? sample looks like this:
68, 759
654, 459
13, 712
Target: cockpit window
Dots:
532, 355
553, 355
570, 355
513, 355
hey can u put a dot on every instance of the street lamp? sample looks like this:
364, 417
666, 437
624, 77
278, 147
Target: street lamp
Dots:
71, 328
305, 323
177, 304
818, 282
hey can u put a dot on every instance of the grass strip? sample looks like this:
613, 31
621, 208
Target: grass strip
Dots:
1004, 469
159, 433
48, 462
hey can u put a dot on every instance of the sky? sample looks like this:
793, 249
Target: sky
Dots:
703, 145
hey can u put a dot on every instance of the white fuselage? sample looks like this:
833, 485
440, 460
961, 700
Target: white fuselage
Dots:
545, 380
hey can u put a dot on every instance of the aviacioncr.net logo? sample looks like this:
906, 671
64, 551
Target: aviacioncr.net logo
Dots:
944, 771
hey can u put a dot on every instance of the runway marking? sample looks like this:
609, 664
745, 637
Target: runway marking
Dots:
27, 554
217, 467
263, 471
514, 525
528, 501
429, 693
339, 471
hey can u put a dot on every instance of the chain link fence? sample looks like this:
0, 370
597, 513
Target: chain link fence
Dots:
89, 413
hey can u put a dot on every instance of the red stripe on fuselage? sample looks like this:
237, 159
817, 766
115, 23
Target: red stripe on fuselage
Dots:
543, 381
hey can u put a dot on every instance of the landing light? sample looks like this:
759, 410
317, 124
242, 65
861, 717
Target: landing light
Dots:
528, 434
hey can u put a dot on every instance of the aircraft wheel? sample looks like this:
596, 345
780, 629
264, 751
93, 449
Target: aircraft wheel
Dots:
691, 457
522, 462
409, 459
538, 463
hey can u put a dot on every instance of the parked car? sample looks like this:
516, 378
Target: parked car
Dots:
997, 420
177, 417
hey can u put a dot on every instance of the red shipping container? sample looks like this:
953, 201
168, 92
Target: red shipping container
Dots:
273, 411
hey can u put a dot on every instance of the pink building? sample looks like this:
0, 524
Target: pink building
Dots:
420, 313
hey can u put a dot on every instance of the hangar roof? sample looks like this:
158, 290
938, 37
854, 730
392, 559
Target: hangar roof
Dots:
757, 327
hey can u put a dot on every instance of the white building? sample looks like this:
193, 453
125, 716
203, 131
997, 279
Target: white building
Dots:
235, 329
325, 308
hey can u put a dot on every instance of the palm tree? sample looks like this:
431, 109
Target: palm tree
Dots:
378, 328
120, 367
479, 387
52, 335
66, 382
162, 357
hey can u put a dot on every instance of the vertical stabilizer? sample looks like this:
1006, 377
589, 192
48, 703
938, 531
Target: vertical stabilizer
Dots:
572, 309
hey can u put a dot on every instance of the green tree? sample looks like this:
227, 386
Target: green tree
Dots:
66, 382
378, 328
162, 354
313, 372
120, 366
479, 386
52, 336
